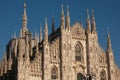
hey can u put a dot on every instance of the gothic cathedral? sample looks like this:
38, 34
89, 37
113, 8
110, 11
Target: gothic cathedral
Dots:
67, 53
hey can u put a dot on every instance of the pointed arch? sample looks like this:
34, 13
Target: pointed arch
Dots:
79, 76
103, 75
54, 73
78, 52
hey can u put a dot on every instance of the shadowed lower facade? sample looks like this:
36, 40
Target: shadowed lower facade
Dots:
70, 52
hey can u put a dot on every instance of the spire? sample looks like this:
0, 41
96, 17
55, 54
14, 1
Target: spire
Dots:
67, 19
88, 22
109, 47
93, 23
53, 24
24, 20
40, 33
62, 22
46, 31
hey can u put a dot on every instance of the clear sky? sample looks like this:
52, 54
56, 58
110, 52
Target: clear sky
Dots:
107, 15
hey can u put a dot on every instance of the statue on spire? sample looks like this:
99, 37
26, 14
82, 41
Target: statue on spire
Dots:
24, 15
24, 21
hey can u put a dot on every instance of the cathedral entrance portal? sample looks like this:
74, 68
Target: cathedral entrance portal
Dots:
79, 76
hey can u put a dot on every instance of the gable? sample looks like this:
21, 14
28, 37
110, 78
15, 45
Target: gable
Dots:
78, 30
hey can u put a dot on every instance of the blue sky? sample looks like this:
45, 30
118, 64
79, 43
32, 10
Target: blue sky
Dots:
107, 15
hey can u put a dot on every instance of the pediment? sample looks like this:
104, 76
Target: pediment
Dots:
77, 29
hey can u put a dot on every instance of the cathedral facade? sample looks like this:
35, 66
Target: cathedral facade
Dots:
69, 52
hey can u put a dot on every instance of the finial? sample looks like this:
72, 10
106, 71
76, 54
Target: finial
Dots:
67, 10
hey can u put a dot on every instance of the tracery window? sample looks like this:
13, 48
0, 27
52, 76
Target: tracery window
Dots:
78, 56
54, 73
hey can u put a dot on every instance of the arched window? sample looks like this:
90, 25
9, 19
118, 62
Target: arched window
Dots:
79, 76
102, 75
54, 73
78, 56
